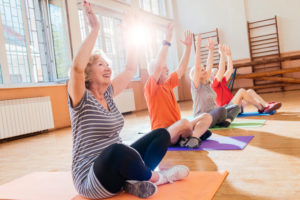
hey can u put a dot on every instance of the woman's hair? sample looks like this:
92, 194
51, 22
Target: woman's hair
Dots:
93, 58
192, 71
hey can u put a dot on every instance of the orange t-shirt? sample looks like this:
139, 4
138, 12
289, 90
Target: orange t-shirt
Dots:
161, 101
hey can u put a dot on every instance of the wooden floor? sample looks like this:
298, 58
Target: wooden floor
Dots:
268, 168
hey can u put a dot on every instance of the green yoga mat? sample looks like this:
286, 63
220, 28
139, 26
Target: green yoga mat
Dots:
242, 124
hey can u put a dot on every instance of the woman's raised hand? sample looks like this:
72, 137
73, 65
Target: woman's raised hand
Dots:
222, 49
227, 50
198, 41
188, 38
211, 44
169, 32
92, 18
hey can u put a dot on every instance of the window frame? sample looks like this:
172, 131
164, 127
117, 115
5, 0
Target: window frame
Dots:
141, 6
48, 27
3, 57
49, 72
116, 6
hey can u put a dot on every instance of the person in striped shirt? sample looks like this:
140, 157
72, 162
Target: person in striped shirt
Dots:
101, 165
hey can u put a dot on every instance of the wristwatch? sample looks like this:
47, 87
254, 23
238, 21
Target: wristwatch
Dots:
165, 42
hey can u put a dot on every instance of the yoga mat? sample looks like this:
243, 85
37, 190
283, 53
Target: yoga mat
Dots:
219, 143
59, 186
250, 114
242, 124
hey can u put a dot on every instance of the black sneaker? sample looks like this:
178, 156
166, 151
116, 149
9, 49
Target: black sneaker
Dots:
141, 189
242, 110
205, 135
225, 123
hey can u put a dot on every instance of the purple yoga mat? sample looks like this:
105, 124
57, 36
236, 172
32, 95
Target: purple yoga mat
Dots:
219, 143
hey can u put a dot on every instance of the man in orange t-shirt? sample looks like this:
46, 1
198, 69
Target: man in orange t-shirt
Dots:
161, 101
162, 105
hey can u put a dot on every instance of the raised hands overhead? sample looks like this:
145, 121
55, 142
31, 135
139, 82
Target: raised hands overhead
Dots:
188, 38
76, 84
156, 67
222, 49
229, 70
227, 50
188, 41
211, 44
169, 32
198, 52
195, 74
198, 41
221, 70
210, 58
92, 18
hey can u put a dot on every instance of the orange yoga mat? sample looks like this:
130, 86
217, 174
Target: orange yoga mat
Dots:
59, 186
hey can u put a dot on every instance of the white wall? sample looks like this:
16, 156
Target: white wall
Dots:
206, 15
230, 17
288, 16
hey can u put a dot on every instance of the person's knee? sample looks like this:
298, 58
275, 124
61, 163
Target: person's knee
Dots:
241, 91
120, 152
233, 111
185, 124
164, 134
117, 147
222, 112
250, 91
111, 155
185, 128
207, 118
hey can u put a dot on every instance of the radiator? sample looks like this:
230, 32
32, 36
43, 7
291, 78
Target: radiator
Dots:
23, 116
125, 101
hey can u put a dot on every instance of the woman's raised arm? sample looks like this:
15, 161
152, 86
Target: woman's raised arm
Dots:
76, 85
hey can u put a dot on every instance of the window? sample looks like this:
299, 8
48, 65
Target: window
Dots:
109, 39
83, 25
34, 50
154, 44
15, 41
84, 29
157, 7
36, 41
60, 38
113, 43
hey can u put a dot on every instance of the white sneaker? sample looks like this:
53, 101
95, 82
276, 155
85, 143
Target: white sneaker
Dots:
175, 173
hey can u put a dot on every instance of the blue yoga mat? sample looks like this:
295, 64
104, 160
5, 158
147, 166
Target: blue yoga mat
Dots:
250, 114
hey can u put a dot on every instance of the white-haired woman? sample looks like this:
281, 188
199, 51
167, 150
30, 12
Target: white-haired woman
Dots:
202, 93
101, 165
